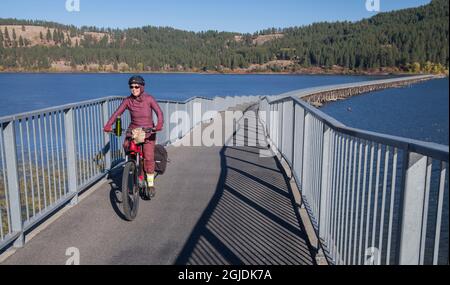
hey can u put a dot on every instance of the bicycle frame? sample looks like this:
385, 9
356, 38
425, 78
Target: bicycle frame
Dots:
136, 155
137, 152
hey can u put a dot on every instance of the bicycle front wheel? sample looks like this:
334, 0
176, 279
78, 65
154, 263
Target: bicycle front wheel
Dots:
130, 191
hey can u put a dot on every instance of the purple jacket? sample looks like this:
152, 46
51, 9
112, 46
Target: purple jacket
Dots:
141, 110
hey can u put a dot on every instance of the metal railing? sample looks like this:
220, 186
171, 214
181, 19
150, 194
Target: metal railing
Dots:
48, 157
372, 198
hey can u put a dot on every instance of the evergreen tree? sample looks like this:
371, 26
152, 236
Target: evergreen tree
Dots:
72, 33
394, 39
48, 36
6, 33
55, 36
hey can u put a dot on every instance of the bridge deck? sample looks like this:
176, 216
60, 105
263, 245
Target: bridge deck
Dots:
215, 205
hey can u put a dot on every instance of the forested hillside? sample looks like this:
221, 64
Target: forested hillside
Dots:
406, 40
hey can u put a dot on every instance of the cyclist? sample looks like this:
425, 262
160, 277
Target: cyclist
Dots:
141, 106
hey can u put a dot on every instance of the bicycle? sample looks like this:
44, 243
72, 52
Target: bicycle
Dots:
133, 187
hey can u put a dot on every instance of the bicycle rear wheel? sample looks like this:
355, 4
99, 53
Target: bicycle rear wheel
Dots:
130, 191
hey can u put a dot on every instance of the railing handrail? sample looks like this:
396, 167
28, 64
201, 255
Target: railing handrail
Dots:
438, 151
58, 152
366, 193
28, 114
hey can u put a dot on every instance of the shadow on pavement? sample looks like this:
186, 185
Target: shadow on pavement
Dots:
251, 218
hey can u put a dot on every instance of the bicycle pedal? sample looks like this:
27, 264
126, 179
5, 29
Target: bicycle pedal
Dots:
152, 192
141, 182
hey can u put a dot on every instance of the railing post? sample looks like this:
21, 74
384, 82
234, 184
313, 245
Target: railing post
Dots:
106, 137
266, 109
278, 126
270, 124
177, 108
167, 122
293, 139
281, 129
324, 186
297, 153
305, 152
69, 126
413, 198
187, 125
9, 135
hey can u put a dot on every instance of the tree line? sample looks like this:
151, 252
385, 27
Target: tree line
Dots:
410, 39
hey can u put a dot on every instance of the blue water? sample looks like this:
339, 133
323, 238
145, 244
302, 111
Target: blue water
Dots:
27, 92
419, 112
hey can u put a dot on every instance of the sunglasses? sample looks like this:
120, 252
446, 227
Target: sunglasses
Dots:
135, 87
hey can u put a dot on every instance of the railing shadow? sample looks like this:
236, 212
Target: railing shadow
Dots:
251, 219
115, 194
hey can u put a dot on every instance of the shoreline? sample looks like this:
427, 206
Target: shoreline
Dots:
325, 73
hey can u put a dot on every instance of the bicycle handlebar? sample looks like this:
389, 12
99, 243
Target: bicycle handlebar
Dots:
149, 130
146, 130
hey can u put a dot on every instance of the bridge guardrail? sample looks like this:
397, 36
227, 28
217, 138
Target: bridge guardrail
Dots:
49, 156
372, 198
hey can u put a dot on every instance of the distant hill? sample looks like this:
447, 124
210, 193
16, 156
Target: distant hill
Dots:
414, 39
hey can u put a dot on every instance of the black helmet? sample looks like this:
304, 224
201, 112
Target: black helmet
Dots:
136, 80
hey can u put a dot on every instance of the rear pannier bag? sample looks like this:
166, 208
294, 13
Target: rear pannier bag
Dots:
161, 159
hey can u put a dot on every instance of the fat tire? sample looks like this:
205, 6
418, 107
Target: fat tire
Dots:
130, 208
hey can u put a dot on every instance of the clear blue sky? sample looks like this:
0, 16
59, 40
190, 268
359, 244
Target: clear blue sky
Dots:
198, 15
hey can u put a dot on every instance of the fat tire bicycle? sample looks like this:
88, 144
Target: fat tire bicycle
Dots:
133, 187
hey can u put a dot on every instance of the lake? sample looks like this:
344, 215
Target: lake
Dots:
26, 92
420, 111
